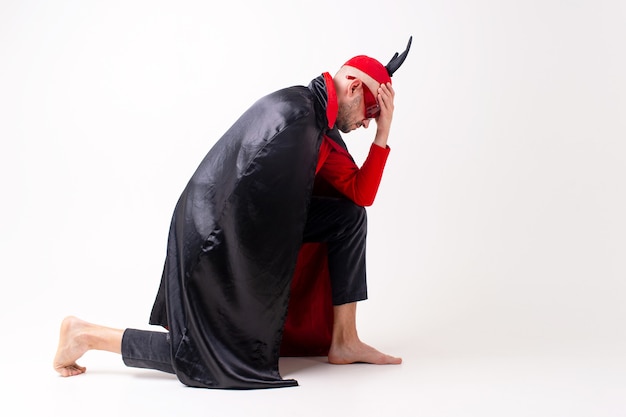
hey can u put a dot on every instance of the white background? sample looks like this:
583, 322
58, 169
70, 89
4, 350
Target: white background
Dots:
496, 244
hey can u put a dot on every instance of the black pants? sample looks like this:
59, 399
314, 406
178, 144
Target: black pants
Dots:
338, 222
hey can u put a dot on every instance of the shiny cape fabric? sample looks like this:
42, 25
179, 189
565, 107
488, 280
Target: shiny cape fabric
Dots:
234, 241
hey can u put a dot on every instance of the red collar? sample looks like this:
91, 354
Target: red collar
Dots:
332, 107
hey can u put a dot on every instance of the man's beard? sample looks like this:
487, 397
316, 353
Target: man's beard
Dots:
345, 116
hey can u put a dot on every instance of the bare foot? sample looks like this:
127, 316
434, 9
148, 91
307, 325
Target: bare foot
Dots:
73, 343
359, 352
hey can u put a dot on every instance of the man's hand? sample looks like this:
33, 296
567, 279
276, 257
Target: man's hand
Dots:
383, 121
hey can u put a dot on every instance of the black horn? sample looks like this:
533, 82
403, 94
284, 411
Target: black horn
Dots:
398, 59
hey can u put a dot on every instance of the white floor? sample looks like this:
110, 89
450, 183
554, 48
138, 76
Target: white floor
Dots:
433, 381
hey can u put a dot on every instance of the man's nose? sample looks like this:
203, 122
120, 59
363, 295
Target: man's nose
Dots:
366, 123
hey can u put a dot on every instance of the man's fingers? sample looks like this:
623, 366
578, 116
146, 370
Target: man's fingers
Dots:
386, 94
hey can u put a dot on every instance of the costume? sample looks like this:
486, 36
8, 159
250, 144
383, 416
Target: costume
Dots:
234, 242
236, 236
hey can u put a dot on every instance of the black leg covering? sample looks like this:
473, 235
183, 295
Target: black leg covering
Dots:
145, 349
342, 225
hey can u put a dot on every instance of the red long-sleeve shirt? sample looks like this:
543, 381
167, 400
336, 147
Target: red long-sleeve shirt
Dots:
337, 169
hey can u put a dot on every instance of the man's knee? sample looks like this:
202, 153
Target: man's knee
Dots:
355, 216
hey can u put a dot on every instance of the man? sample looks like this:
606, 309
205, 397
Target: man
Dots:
279, 180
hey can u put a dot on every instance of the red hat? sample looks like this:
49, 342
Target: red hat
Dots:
371, 67
376, 70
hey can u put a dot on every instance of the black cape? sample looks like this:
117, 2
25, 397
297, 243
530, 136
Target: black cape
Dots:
234, 241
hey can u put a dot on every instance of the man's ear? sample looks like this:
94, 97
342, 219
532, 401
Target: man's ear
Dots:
353, 87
